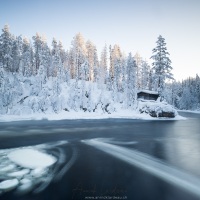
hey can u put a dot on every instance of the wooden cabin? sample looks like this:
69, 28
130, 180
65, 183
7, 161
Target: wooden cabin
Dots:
147, 95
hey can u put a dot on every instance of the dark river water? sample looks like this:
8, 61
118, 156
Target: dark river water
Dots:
110, 158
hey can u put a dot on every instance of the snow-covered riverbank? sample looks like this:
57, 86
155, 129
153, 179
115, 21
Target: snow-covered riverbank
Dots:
124, 114
190, 111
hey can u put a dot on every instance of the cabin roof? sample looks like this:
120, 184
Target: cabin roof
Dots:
148, 92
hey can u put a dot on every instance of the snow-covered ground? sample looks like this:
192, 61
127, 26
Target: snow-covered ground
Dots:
124, 114
51, 100
190, 111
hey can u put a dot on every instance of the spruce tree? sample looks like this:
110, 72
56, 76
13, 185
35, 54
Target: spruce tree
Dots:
161, 65
6, 45
131, 81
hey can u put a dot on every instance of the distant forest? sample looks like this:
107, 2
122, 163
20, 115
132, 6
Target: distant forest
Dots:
37, 78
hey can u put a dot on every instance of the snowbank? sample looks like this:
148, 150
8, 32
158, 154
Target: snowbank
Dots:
123, 114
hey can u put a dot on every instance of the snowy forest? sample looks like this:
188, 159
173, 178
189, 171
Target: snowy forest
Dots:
37, 78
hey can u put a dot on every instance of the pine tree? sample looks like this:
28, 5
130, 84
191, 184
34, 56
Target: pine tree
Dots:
131, 81
117, 73
96, 66
66, 66
197, 89
6, 45
71, 64
37, 43
150, 79
90, 57
145, 73
56, 60
78, 54
104, 65
138, 62
26, 61
16, 54
1, 78
161, 65
115, 59
62, 52
45, 57
123, 73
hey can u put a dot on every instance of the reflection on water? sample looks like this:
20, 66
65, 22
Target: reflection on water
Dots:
161, 158
182, 147
148, 163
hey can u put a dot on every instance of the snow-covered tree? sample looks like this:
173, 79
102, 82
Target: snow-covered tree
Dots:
27, 58
138, 62
96, 66
188, 101
42, 79
62, 53
145, 75
37, 43
1, 77
16, 54
197, 89
6, 45
161, 65
123, 73
78, 54
104, 65
45, 58
131, 81
84, 73
90, 57
56, 60
71, 63
117, 74
115, 53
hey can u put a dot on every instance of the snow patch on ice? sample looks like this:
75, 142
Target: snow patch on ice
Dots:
9, 184
19, 173
31, 158
7, 168
38, 172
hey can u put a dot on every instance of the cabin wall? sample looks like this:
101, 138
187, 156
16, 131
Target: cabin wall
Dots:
146, 96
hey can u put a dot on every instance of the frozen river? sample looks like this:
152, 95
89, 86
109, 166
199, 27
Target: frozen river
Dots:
104, 159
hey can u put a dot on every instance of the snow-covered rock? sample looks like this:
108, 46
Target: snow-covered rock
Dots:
157, 109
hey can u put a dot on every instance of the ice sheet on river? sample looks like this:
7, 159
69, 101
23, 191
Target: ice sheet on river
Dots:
31, 158
32, 168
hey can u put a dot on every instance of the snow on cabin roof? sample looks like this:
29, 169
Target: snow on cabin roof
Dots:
148, 92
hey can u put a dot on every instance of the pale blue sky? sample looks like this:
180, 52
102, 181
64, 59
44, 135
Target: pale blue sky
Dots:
134, 25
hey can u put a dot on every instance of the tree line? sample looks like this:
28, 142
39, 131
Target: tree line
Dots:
111, 70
